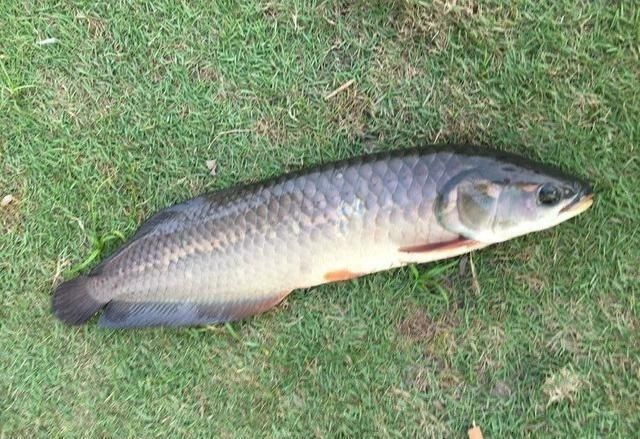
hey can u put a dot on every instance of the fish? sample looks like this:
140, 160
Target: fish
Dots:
237, 252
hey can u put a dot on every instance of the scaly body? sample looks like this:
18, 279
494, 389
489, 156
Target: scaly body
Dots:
234, 253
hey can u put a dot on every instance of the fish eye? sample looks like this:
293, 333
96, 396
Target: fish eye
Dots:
548, 194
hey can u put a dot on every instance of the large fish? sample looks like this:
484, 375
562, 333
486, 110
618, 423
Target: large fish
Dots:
237, 252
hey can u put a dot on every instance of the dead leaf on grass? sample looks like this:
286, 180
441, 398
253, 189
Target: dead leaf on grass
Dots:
6, 200
212, 165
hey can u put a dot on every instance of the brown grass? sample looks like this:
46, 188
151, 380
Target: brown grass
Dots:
434, 20
417, 326
84, 103
563, 385
204, 73
349, 112
96, 27
11, 183
273, 129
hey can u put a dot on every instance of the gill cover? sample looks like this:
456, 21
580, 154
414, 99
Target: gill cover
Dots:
496, 203
466, 204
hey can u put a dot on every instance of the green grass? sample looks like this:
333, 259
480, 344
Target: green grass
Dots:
118, 117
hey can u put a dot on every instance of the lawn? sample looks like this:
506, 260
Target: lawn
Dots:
111, 110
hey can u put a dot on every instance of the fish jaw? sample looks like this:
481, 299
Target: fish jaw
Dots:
577, 207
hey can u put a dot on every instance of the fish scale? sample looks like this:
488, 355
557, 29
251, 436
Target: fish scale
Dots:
237, 252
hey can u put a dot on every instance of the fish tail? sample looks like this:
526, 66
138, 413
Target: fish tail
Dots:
72, 303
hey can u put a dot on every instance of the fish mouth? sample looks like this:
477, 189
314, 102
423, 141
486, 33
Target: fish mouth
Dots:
580, 202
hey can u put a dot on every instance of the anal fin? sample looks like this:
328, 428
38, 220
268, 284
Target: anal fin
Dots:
122, 314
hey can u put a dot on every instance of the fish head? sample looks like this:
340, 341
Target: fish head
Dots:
497, 200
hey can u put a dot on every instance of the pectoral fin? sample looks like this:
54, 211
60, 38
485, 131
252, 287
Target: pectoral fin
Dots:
454, 244
440, 250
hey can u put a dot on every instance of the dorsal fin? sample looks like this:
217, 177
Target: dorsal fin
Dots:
160, 218
165, 221
170, 219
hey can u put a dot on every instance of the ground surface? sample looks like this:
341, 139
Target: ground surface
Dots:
118, 116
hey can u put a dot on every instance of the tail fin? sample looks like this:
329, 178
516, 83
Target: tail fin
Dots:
72, 302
